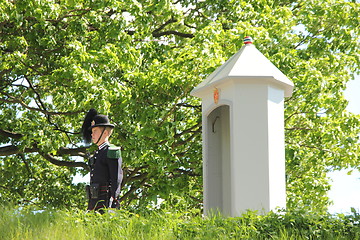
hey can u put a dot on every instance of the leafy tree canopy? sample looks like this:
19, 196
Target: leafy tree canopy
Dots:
137, 61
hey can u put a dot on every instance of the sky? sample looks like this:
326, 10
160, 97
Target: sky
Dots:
345, 190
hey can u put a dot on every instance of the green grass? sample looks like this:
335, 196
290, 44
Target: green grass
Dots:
61, 224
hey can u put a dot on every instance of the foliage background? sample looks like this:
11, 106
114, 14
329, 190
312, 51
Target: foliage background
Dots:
137, 61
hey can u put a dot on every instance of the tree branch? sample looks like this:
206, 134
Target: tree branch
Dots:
188, 105
183, 171
81, 152
172, 32
179, 143
132, 189
312, 147
9, 134
12, 149
78, 13
298, 128
295, 113
157, 33
172, 20
12, 99
42, 105
27, 166
189, 130
60, 163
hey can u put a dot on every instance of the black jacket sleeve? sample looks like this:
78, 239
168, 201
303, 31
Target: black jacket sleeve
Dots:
116, 175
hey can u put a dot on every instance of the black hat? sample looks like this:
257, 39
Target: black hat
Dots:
93, 119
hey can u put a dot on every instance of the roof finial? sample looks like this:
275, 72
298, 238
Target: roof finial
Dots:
248, 40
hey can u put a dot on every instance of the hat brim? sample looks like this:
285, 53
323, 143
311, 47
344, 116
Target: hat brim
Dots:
102, 125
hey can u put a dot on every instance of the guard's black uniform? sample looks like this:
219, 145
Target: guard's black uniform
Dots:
105, 177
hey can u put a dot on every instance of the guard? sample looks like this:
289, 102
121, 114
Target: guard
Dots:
105, 164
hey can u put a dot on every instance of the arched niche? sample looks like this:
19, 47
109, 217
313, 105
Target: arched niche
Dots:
217, 161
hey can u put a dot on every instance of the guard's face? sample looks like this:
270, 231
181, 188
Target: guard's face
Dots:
96, 133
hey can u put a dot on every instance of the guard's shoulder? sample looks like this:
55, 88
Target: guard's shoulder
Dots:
114, 152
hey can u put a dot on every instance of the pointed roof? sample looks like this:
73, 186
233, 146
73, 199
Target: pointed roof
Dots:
248, 63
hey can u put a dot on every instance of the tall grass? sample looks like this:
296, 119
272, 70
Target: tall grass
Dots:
65, 224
